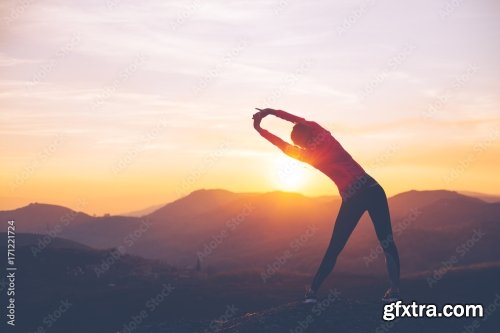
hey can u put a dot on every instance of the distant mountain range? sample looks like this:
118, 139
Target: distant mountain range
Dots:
280, 231
144, 211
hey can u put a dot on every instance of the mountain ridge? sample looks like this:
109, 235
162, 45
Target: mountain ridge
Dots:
210, 191
228, 230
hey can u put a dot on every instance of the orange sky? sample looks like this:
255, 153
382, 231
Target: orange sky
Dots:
124, 105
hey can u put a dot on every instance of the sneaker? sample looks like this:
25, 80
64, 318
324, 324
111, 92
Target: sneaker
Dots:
310, 296
391, 295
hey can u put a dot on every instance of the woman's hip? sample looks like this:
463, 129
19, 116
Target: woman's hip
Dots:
358, 186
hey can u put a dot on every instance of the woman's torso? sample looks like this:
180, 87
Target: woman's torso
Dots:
326, 154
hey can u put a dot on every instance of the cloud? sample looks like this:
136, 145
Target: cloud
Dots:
8, 61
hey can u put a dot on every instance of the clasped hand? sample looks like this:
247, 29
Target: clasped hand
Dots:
258, 116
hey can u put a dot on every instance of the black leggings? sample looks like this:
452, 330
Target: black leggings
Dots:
370, 197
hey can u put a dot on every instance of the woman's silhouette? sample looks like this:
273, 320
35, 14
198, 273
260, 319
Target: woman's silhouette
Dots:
360, 192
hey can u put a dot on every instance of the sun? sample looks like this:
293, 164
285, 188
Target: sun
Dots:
289, 175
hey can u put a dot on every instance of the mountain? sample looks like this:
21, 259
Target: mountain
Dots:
417, 199
281, 231
429, 226
196, 203
43, 218
89, 290
142, 212
34, 240
231, 221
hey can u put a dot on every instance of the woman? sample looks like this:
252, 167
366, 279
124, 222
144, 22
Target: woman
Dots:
360, 192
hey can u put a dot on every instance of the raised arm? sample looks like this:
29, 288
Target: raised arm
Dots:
283, 115
287, 148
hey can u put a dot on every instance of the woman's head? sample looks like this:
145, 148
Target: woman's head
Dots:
302, 135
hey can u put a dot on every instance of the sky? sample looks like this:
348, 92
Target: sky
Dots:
113, 106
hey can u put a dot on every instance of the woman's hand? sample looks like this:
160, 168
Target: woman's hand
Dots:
257, 117
266, 111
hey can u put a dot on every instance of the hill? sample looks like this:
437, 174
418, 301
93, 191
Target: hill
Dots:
110, 292
228, 231
35, 241
100, 285
44, 218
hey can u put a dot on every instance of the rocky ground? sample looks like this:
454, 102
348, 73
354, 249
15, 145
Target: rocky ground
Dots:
331, 314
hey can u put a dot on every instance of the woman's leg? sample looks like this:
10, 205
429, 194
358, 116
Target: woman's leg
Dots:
349, 214
379, 213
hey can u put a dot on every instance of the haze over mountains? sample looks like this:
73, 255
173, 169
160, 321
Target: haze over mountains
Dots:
281, 231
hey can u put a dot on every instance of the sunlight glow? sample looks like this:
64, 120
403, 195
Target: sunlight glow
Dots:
289, 175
